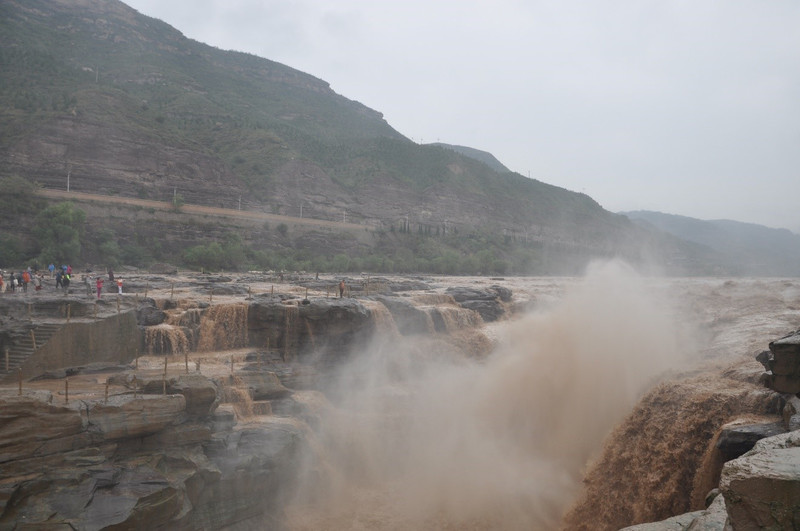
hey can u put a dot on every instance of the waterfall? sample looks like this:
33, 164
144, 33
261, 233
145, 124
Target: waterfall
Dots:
423, 440
240, 398
165, 339
661, 461
385, 327
290, 332
455, 318
223, 327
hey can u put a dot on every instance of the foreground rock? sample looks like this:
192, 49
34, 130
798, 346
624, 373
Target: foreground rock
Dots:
782, 362
154, 461
714, 518
737, 439
762, 488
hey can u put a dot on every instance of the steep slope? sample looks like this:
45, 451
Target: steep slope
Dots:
99, 98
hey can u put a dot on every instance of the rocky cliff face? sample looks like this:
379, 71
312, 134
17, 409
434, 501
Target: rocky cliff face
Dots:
92, 446
158, 461
126, 106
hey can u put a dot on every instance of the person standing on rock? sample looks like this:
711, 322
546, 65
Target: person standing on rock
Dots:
341, 288
119, 286
99, 285
26, 279
59, 277
65, 280
51, 268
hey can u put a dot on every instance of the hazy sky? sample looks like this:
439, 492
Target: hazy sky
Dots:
685, 107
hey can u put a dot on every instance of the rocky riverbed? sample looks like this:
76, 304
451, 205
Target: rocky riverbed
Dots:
251, 401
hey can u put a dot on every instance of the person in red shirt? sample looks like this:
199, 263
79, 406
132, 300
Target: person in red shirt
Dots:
99, 286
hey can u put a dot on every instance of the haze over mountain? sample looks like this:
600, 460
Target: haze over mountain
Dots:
100, 98
746, 246
665, 106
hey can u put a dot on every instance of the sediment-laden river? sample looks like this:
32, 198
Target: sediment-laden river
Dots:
418, 440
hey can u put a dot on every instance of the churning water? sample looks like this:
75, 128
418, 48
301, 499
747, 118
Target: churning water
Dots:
421, 439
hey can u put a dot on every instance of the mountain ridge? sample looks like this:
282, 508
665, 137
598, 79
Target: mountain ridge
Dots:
113, 102
748, 246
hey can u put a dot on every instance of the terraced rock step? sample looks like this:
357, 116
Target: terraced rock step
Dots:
24, 347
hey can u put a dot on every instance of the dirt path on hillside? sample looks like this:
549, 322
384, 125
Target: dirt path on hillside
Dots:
199, 209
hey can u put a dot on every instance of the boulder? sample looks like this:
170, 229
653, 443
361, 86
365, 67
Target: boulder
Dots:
461, 294
487, 302
715, 518
125, 417
27, 422
263, 385
142, 498
148, 314
786, 355
223, 418
782, 364
201, 393
762, 488
502, 292
676, 523
737, 439
488, 310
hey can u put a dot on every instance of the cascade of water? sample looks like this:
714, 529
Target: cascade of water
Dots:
223, 327
290, 332
310, 332
165, 339
457, 318
441, 442
385, 326
240, 398
658, 472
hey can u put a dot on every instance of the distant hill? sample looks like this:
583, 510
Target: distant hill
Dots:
744, 248
483, 156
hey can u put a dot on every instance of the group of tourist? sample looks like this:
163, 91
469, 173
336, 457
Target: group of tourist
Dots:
17, 282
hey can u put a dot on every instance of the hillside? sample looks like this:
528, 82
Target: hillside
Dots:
744, 248
98, 98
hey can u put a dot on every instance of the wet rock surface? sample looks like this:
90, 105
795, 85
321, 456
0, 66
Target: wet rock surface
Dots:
197, 450
487, 302
782, 362
762, 488
139, 462
735, 441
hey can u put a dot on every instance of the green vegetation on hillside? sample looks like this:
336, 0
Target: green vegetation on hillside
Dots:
136, 107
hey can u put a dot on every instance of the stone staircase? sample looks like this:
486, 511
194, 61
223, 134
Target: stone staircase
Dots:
23, 347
